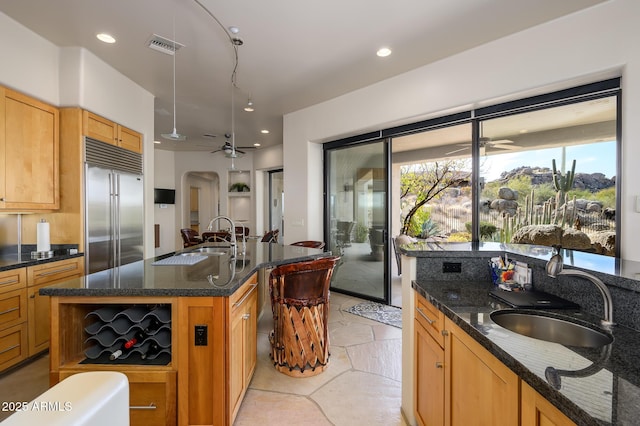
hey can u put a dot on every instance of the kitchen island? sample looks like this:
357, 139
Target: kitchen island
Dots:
198, 308
530, 379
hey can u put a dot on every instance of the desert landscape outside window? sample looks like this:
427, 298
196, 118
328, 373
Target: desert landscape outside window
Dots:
547, 176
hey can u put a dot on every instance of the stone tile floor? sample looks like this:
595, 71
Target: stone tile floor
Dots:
361, 385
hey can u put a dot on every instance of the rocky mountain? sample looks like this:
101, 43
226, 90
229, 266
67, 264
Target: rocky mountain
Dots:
593, 182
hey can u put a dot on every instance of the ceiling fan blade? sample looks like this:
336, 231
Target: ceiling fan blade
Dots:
505, 147
457, 150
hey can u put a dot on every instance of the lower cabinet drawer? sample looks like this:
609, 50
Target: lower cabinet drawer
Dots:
13, 308
13, 345
152, 396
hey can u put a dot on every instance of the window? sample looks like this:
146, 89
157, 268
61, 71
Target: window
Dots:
546, 169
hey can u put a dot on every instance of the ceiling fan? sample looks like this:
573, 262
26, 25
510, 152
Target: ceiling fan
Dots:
486, 143
231, 151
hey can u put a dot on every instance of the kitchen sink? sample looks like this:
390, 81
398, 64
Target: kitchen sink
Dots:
210, 251
551, 328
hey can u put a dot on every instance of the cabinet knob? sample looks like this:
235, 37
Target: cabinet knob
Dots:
246, 316
33, 296
444, 333
439, 365
1, 198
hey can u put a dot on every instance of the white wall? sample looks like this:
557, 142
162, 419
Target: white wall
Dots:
264, 160
76, 77
597, 43
165, 217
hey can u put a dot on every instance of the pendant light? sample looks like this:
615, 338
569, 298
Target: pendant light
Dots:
174, 136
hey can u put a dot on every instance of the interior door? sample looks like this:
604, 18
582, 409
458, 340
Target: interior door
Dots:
357, 219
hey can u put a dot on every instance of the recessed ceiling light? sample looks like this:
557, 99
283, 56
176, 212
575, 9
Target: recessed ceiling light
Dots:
158, 142
265, 131
383, 52
256, 144
107, 38
524, 131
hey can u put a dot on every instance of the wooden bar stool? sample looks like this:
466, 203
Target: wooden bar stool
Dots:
300, 305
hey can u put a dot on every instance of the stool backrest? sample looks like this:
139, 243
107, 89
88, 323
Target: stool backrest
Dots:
309, 243
190, 237
270, 236
213, 236
303, 283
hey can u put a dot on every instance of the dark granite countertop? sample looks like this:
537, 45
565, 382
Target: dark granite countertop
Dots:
216, 275
597, 386
13, 261
615, 267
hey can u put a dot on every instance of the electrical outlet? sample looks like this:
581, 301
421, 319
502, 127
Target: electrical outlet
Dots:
201, 334
449, 267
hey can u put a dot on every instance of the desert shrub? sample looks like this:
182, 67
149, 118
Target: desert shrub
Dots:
419, 218
607, 197
487, 229
459, 237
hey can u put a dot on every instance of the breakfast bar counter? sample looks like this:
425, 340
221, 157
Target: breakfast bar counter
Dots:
182, 327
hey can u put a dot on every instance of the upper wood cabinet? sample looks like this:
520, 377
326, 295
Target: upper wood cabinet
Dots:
99, 128
29, 153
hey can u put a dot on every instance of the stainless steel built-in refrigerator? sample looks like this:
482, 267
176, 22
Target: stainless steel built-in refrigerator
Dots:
114, 219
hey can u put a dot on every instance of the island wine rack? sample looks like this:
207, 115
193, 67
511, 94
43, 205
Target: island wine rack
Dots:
126, 334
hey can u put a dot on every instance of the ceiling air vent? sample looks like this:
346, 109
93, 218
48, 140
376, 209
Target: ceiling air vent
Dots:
163, 45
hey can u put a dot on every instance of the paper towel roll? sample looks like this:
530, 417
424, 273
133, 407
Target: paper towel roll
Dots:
42, 231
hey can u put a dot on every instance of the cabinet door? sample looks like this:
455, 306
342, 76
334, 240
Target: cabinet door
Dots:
129, 139
99, 128
429, 378
537, 411
242, 351
39, 323
30, 143
479, 389
38, 306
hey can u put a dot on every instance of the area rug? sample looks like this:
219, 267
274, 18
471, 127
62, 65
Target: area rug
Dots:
378, 312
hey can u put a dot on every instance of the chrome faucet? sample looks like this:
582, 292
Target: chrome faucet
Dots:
555, 267
244, 238
234, 248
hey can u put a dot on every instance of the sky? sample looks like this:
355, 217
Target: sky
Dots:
592, 158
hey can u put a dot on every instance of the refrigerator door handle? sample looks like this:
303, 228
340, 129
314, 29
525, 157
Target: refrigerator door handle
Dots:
112, 224
116, 236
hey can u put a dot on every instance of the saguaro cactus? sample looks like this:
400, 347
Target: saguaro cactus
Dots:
561, 183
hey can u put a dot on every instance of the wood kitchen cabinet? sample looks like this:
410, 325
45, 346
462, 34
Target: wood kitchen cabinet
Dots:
458, 382
152, 395
243, 308
38, 306
428, 363
99, 128
29, 152
13, 318
535, 410
479, 389
214, 372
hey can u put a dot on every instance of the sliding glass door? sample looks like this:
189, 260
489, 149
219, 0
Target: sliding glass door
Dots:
357, 218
